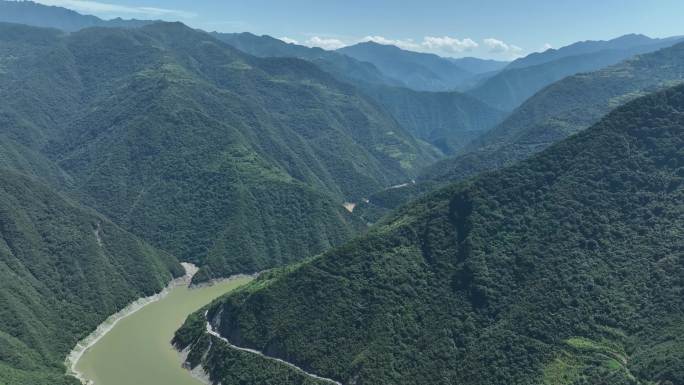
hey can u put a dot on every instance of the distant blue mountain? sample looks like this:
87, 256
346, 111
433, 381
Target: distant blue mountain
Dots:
524, 77
447, 120
621, 43
39, 15
419, 71
479, 66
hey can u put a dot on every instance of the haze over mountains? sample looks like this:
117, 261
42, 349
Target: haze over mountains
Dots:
560, 110
563, 109
416, 219
28, 12
420, 71
524, 77
447, 120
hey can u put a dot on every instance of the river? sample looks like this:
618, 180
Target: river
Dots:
137, 349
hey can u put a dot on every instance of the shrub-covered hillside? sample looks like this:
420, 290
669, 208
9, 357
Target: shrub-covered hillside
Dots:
63, 270
234, 162
447, 120
567, 268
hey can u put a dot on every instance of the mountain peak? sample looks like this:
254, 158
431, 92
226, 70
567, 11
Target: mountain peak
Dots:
417, 70
40, 15
481, 271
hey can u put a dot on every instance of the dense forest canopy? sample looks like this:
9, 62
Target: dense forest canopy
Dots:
234, 162
562, 109
524, 77
448, 120
63, 270
556, 257
564, 269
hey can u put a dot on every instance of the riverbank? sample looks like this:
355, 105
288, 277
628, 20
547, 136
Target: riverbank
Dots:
82, 346
133, 345
210, 330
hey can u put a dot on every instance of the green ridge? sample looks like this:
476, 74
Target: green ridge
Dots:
562, 109
566, 267
230, 161
63, 270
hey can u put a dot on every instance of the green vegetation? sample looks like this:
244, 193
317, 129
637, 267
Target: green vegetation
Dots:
381, 203
447, 120
524, 77
237, 367
233, 162
63, 270
584, 361
566, 268
214, 156
341, 66
560, 110
39, 15
414, 70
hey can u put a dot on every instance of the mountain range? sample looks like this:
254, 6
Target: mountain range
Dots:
420, 71
343, 67
161, 117
415, 219
524, 77
563, 269
562, 109
558, 111
448, 120
39, 15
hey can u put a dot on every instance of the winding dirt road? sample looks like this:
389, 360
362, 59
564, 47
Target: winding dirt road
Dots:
211, 331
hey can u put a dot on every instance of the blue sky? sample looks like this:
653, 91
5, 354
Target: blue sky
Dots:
498, 29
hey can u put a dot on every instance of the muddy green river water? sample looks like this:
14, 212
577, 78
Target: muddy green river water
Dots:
137, 351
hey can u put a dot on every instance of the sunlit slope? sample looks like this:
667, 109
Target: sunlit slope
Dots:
63, 270
234, 162
564, 269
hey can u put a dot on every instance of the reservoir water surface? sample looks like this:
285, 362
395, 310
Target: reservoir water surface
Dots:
137, 351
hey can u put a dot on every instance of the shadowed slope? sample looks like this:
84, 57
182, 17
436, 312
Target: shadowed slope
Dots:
566, 268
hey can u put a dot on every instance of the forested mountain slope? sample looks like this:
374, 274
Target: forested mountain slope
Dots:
39, 15
567, 268
19, 158
416, 70
447, 120
512, 86
341, 66
63, 270
561, 109
624, 42
221, 158
479, 66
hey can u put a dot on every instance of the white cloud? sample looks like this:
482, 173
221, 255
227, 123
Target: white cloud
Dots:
443, 44
498, 46
325, 43
408, 44
546, 46
288, 40
449, 44
98, 8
